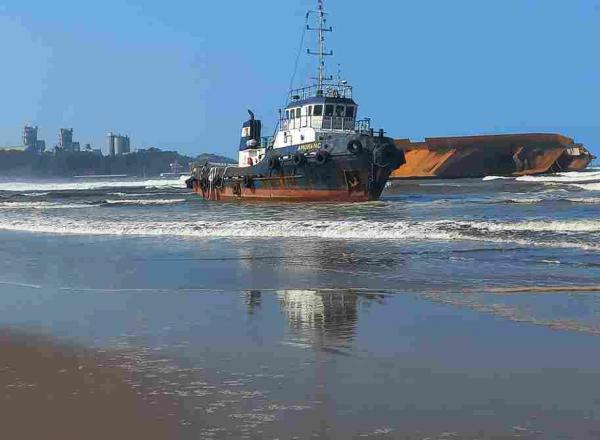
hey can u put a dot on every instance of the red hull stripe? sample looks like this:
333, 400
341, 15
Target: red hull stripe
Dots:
288, 194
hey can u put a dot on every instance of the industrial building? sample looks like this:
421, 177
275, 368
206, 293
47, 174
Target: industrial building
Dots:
65, 140
89, 149
30, 141
118, 144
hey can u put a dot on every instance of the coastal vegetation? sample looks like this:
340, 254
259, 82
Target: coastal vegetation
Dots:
150, 162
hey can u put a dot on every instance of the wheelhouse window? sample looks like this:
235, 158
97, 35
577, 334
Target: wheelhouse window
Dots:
350, 111
298, 112
309, 109
292, 113
287, 114
318, 110
339, 110
329, 110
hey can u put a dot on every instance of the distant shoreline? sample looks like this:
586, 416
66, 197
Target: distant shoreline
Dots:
147, 163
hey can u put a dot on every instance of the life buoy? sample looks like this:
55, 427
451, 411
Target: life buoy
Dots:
355, 146
249, 161
299, 158
321, 157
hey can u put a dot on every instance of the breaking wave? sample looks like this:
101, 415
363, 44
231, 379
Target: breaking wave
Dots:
144, 202
589, 186
44, 205
524, 201
239, 228
536, 200
570, 177
589, 200
36, 194
520, 233
91, 185
486, 178
560, 226
56, 205
144, 194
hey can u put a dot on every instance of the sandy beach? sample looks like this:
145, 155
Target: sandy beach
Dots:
55, 391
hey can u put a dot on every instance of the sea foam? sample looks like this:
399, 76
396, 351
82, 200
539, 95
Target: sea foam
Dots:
91, 185
487, 178
570, 177
43, 205
442, 230
144, 202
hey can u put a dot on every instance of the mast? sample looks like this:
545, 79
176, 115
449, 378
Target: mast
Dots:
321, 53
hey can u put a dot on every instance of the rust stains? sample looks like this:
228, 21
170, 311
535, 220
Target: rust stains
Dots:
478, 156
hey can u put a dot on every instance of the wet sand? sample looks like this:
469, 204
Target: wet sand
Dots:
54, 391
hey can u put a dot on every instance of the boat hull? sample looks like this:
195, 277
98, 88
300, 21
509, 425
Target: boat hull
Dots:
570, 162
288, 194
329, 174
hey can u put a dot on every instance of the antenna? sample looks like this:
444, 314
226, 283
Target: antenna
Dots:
321, 50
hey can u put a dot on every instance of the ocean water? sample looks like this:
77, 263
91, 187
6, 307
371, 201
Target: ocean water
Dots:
463, 308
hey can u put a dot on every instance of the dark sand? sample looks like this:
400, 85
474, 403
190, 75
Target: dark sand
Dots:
62, 392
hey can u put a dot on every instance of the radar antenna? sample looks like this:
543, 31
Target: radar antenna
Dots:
321, 53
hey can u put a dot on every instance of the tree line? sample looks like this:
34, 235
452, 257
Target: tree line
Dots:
149, 162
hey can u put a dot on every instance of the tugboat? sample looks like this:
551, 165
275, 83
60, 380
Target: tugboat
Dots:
320, 151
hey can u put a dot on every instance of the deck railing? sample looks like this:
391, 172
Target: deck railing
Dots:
327, 91
363, 126
319, 123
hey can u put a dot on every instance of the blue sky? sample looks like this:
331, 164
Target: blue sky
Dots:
181, 74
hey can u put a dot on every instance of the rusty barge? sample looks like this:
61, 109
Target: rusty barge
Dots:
491, 155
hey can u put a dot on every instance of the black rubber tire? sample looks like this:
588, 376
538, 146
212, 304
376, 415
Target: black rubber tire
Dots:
355, 146
248, 182
385, 155
236, 189
299, 159
321, 157
189, 183
274, 163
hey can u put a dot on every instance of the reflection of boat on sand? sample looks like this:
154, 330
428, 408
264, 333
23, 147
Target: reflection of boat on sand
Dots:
335, 312
499, 155
326, 319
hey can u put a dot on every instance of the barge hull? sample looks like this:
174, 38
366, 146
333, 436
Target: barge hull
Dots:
500, 155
